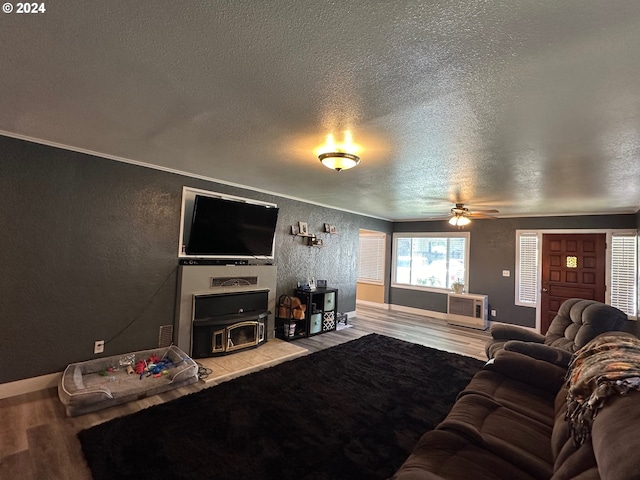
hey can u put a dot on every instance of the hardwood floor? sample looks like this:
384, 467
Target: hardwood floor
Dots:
413, 328
38, 441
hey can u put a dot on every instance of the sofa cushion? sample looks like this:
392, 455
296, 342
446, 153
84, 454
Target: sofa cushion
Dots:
579, 464
441, 454
512, 436
500, 334
500, 331
540, 351
579, 321
537, 373
560, 435
521, 397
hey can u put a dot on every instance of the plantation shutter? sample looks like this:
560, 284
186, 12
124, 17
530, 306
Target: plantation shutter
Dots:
371, 257
623, 273
527, 278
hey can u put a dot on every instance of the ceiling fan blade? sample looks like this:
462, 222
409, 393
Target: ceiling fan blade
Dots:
435, 216
462, 210
486, 211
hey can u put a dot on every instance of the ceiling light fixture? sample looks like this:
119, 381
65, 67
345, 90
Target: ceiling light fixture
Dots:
339, 157
459, 220
339, 160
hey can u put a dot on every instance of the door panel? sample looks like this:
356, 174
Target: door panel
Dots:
573, 265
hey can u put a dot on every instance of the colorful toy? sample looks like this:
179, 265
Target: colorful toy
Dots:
140, 367
154, 366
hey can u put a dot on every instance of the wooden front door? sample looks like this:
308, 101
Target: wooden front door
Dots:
573, 266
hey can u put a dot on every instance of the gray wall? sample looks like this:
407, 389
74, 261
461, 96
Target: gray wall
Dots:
492, 250
89, 252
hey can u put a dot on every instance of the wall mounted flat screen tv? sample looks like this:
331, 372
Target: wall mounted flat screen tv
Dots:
225, 228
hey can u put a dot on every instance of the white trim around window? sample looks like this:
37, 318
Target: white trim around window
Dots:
439, 285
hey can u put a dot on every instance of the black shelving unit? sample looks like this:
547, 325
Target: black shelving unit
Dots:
321, 314
291, 328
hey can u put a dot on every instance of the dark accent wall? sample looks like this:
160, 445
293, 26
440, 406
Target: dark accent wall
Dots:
89, 252
492, 250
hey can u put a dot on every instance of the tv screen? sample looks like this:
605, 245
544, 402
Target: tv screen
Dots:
228, 228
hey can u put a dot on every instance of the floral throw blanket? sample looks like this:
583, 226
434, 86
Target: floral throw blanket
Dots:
608, 365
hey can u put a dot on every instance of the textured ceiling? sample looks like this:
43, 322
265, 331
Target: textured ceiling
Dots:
530, 107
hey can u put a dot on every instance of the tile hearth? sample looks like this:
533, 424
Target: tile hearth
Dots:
227, 367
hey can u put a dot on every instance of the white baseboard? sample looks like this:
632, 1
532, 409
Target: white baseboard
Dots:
367, 303
402, 308
419, 311
28, 385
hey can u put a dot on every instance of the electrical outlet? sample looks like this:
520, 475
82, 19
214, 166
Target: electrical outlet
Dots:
494, 313
98, 346
506, 273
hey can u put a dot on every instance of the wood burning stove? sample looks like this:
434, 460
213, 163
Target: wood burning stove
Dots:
227, 322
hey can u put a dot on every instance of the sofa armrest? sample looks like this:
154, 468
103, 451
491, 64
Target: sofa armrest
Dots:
511, 332
538, 373
614, 436
539, 351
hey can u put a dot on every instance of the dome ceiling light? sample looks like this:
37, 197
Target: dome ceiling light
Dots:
339, 157
339, 160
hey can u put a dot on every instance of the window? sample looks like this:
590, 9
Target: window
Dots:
527, 269
371, 257
623, 273
430, 260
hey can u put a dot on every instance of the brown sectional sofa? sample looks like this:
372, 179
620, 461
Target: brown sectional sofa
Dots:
509, 424
577, 322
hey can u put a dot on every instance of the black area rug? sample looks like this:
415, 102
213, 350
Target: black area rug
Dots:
353, 411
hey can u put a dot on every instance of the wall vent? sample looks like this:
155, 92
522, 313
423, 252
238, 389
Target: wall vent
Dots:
468, 310
233, 281
165, 339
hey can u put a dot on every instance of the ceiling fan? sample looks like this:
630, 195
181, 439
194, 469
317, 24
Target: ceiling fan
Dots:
460, 215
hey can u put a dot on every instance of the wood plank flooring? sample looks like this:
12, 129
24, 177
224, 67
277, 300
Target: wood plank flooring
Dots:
38, 441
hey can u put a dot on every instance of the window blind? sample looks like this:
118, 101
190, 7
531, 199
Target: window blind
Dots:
371, 258
527, 277
624, 260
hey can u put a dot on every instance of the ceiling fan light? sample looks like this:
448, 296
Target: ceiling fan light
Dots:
459, 220
339, 160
